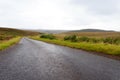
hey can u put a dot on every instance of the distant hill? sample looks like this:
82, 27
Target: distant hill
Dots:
65, 31
51, 31
16, 32
92, 30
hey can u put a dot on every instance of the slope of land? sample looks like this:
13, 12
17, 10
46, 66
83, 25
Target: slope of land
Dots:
7, 33
90, 34
50, 31
95, 33
92, 30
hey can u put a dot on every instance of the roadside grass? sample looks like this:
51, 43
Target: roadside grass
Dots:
111, 49
8, 43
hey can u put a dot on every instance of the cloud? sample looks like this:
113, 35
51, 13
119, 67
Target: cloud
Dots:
103, 7
60, 14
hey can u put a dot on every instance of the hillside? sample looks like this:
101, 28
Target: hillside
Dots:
7, 33
65, 31
92, 30
90, 33
11, 31
51, 31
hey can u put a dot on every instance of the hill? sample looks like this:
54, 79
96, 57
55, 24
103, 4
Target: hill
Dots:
7, 33
97, 33
50, 31
92, 30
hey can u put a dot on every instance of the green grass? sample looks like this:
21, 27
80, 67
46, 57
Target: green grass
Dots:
8, 43
95, 47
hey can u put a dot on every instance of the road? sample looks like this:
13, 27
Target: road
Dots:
36, 60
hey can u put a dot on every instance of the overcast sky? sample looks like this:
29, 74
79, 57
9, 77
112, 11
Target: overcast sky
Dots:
60, 14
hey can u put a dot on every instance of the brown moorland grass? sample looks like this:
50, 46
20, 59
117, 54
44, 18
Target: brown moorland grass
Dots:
9, 33
89, 34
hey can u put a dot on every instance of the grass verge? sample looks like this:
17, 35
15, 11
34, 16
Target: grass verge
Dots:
6, 44
95, 47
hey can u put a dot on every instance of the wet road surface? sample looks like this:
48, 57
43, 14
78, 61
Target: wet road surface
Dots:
36, 60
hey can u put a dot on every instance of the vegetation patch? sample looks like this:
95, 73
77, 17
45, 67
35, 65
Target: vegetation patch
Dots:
48, 36
107, 40
72, 38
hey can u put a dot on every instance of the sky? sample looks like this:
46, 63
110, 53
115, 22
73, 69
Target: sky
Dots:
60, 14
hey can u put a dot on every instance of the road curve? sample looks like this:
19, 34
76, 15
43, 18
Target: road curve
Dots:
36, 60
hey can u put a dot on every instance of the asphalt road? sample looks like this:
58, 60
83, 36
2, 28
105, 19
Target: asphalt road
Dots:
35, 60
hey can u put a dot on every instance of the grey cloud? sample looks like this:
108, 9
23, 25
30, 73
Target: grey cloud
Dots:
66, 15
103, 7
